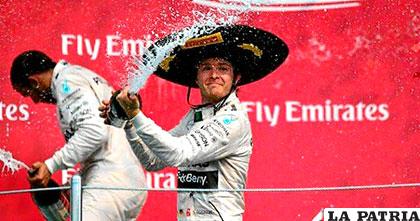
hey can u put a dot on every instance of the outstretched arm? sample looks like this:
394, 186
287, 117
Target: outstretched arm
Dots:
146, 157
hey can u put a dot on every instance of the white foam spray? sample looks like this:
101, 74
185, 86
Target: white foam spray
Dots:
279, 5
203, 23
11, 164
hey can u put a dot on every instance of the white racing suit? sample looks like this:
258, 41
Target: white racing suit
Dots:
103, 152
211, 150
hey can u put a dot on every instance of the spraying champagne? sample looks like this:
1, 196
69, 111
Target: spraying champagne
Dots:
10, 163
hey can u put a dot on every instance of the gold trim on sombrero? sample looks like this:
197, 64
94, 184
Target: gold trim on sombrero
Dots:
251, 47
165, 63
215, 38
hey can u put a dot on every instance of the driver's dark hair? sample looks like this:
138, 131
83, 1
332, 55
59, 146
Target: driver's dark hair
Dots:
27, 64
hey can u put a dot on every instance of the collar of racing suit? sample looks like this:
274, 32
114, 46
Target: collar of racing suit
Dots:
56, 72
207, 110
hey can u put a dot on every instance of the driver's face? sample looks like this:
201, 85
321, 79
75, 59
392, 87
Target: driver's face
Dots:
215, 79
36, 91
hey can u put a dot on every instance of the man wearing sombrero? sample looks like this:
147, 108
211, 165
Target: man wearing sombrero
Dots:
212, 144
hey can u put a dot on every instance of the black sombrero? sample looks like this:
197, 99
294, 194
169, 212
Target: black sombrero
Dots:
253, 52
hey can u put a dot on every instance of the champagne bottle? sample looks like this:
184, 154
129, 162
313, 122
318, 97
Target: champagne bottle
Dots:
116, 115
53, 204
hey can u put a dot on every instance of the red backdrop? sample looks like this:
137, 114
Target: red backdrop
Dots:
361, 63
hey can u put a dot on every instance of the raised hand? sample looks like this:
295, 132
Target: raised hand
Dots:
40, 176
130, 103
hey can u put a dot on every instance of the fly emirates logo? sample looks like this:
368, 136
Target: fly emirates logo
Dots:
13, 112
296, 111
113, 45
